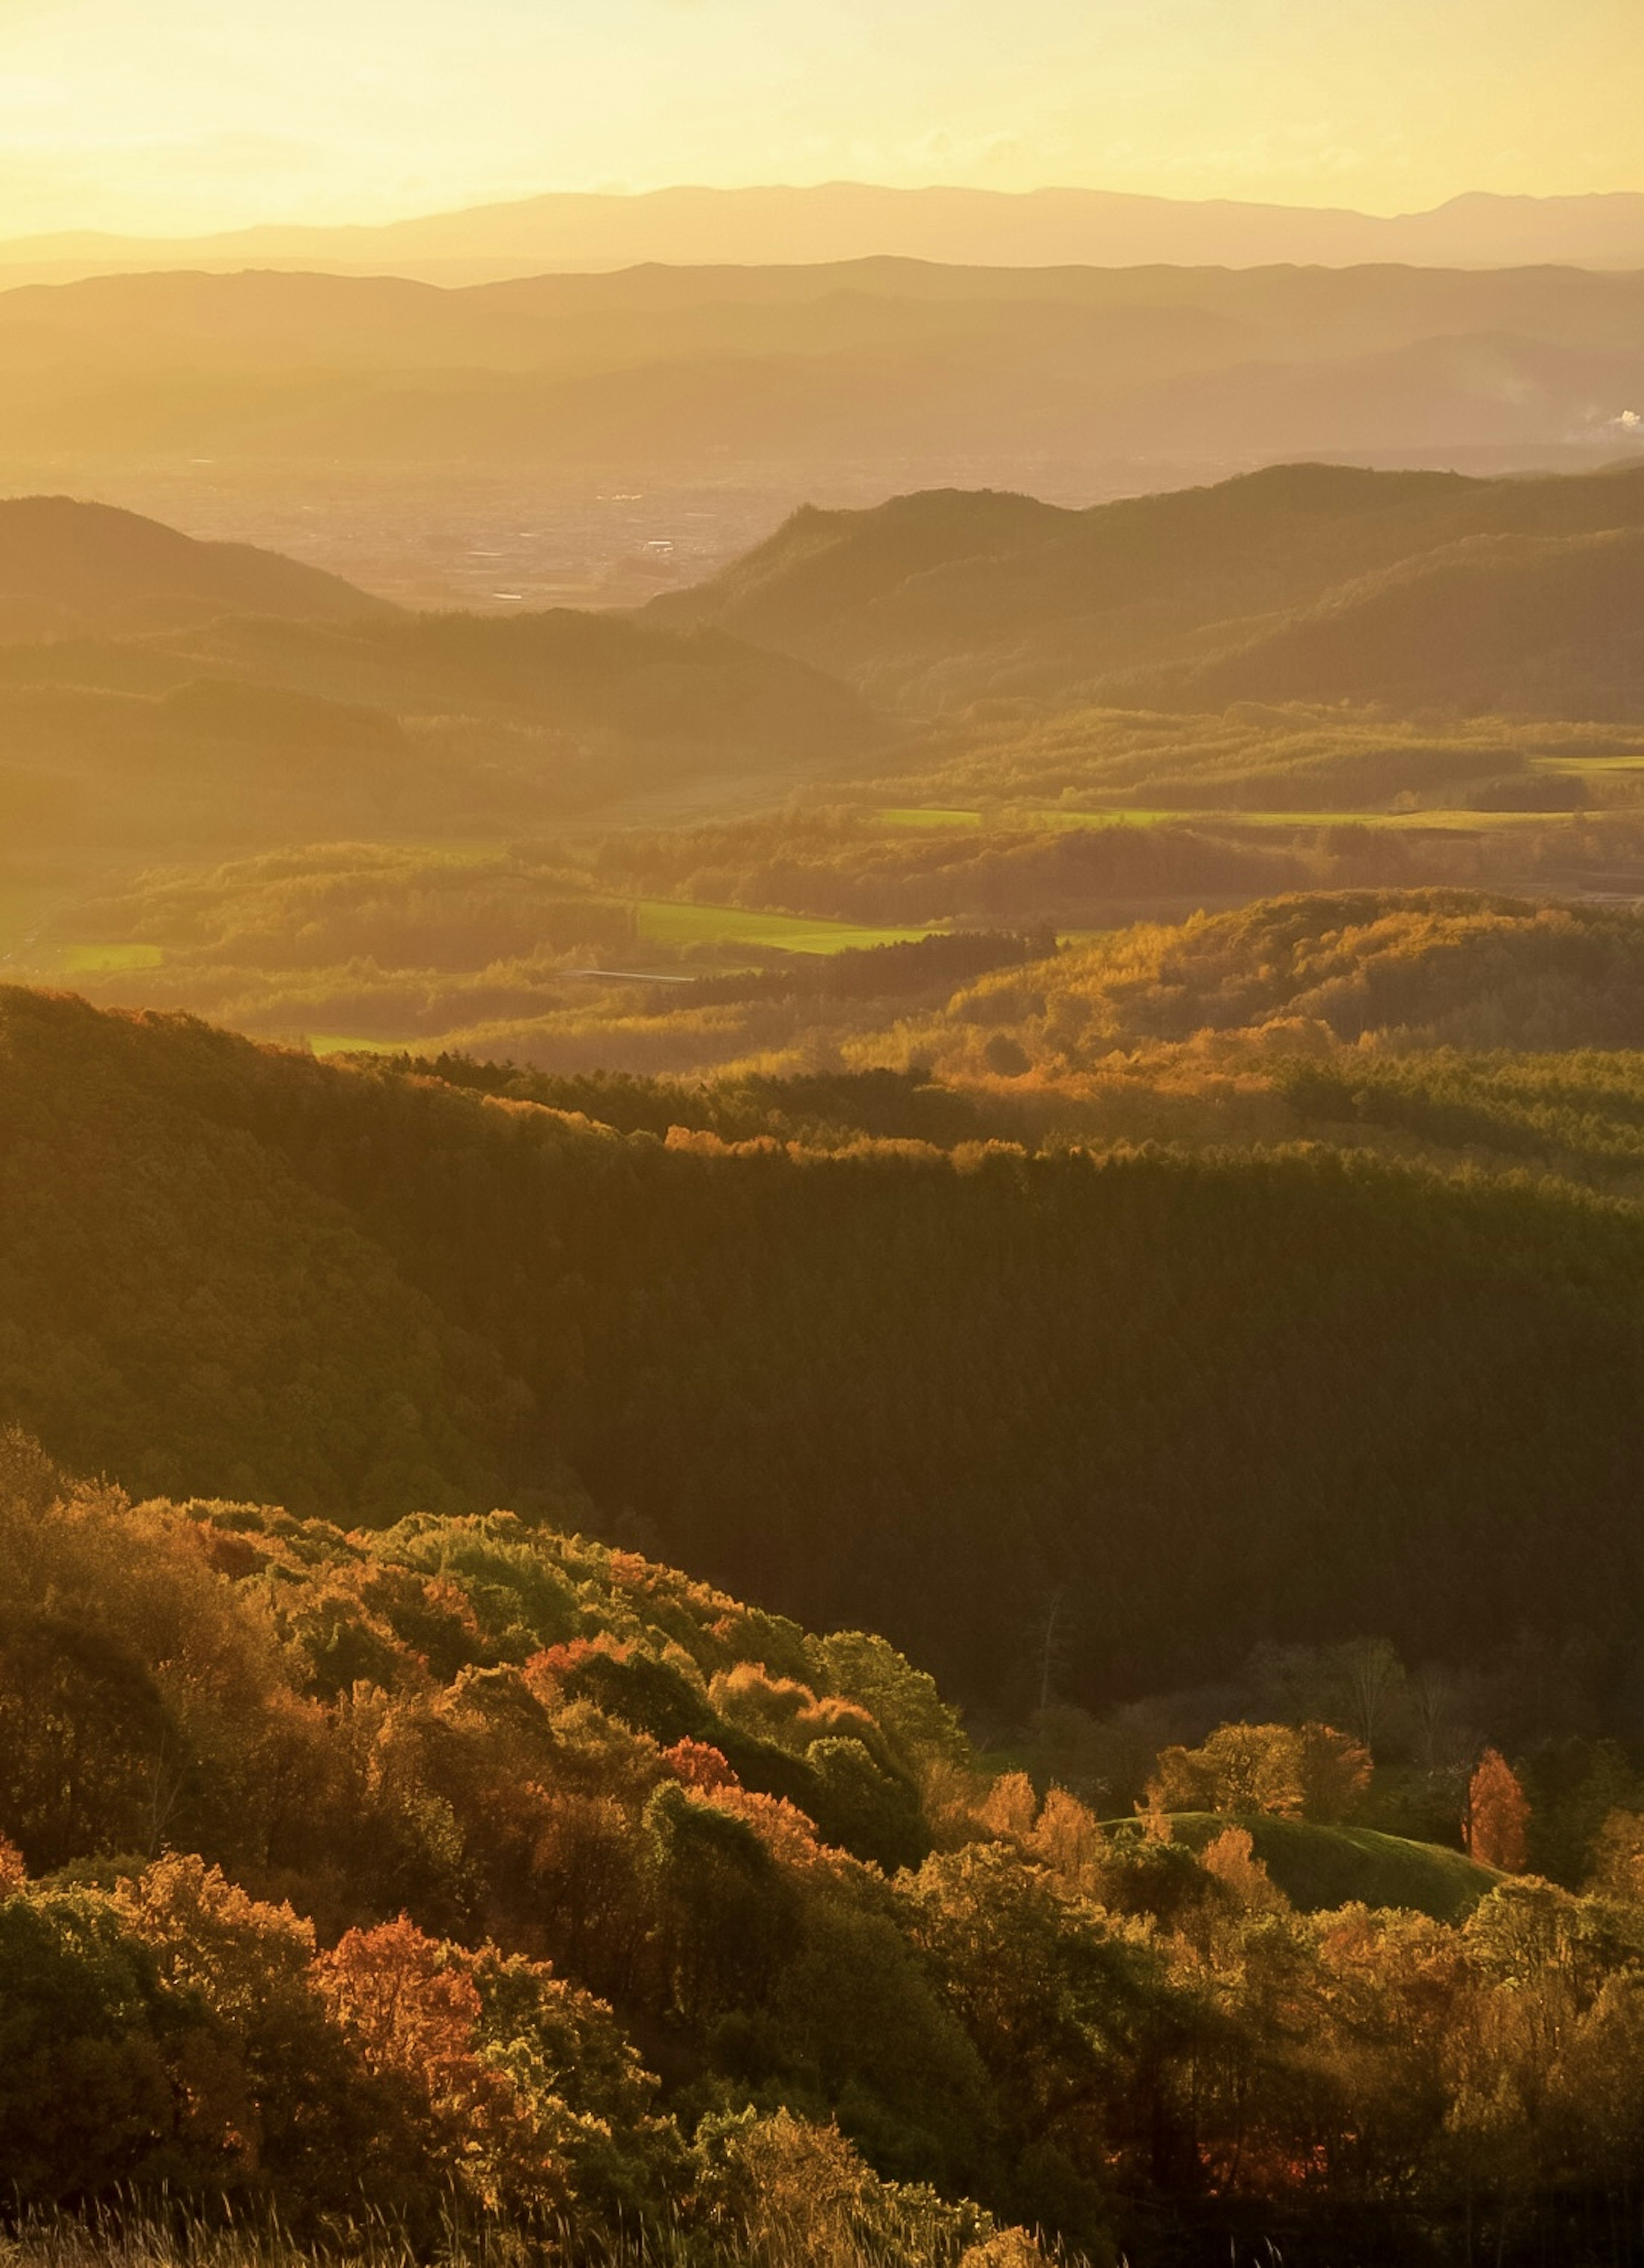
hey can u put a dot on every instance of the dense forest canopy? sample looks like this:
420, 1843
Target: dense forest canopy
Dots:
924, 1389
470, 1877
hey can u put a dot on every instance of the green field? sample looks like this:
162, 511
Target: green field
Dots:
1321, 1867
670, 922
930, 816
1053, 816
1588, 767
664, 921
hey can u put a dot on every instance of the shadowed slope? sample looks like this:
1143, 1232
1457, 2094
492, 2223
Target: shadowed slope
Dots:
69, 568
952, 593
1211, 1400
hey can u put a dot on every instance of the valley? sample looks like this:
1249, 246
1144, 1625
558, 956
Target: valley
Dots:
821, 1383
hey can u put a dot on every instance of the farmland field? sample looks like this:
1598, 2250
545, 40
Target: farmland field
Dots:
1051, 816
108, 959
669, 920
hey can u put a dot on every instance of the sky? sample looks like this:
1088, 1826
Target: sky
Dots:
183, 117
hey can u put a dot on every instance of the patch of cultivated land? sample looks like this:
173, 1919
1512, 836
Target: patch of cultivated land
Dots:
667, 921
1015, 821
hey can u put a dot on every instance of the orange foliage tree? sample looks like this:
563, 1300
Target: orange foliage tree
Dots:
1497, 1815
410, 2006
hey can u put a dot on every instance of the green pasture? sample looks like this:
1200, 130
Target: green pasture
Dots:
665, 921
1590, 767
1018, 819
669, 922
108, 959
932, 816
1321, 1867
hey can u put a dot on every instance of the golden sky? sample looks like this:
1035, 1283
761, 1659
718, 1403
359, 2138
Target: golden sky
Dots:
185, 115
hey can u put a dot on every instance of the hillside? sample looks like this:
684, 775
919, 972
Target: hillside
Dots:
1405, 968
249, 729
1319, 1865
70, 569
471, 1882
228, 1271
945, 597
1511, 624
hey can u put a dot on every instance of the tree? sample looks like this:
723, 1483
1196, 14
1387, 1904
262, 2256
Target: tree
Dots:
90, 2041
1498, 1816
1240, 1767
307, 2120
410, 2005
1335, 1774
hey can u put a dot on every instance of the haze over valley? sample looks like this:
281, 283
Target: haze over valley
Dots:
822, 1135
590, 438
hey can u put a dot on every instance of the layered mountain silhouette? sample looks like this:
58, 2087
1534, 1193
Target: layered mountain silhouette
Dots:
844, 220
157, 688
918, 368
1305, 582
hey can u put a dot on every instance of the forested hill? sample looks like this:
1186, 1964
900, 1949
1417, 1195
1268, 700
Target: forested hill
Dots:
1302, 581
1524, 625
226, 720
70, 569
1209, 1401
1402, 968
468, 1887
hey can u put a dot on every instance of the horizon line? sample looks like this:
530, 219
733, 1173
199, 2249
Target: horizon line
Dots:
709, 189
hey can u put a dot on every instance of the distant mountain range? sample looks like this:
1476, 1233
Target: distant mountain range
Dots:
848, 220
982, 374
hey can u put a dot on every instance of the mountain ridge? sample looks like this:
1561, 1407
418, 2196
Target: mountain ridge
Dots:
72, 566
923, 368
1156, 598
1478, 228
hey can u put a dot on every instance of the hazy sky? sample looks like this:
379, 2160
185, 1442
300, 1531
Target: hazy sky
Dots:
192, 114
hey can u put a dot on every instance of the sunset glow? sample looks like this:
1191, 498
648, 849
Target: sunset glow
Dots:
115, 114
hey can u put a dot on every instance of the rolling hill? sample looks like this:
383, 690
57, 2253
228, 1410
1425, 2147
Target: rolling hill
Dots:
883, 1386
70, 569
1394, 968
1303, 581
1510, 625
156, 689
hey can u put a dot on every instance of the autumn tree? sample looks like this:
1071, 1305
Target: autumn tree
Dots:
1241, 1767
1497, 1815
410, 2005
